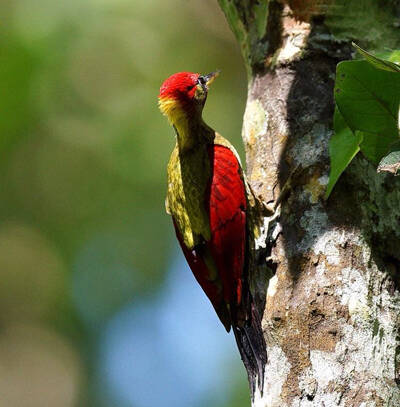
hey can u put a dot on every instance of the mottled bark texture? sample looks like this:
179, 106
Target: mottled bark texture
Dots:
330, 312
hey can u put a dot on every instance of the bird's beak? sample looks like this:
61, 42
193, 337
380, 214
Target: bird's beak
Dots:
209, 78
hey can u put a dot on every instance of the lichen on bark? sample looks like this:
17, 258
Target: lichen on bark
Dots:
331, 311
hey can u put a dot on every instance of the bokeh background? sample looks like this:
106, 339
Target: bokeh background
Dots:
97, 306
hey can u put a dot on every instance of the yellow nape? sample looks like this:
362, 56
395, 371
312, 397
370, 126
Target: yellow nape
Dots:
176, 115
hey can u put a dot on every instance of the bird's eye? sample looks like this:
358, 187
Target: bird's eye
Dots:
190, 87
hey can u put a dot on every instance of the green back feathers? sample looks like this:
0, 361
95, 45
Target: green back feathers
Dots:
188, 177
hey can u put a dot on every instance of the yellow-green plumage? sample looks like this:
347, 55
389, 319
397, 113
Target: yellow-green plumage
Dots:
188, 176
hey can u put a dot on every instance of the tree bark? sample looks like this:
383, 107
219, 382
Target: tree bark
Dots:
330, 311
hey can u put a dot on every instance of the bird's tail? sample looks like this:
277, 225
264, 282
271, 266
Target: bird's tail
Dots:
251, 344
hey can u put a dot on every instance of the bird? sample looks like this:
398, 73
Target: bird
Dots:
207, 198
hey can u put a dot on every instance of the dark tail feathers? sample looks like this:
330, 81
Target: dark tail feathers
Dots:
250, 341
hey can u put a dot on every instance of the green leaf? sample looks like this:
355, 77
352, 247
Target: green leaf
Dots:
368, 98
367, 95
390, 55
391, 162
375, 146
343, 146
378, 62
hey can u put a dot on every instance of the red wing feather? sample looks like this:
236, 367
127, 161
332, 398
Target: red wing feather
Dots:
212, 288
226, 205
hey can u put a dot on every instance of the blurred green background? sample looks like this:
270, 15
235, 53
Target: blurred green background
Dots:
97, 305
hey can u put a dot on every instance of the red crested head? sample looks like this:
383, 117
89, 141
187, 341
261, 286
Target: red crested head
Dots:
183, 95
179, 86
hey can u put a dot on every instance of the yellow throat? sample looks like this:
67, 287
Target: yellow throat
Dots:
177, 116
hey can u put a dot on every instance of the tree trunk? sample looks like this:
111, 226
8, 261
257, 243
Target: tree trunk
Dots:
330, 312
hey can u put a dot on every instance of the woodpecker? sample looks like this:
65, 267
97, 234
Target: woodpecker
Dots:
207, 199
